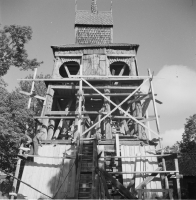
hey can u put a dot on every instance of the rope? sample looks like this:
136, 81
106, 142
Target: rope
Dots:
26, 184
63, 181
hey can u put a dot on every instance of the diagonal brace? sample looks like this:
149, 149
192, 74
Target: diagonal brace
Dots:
116, 106
119, 106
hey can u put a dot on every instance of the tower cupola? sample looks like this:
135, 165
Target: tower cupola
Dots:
93, 26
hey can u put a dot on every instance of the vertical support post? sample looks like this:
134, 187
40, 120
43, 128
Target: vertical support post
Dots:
16, 174
32, 88
148, 124
51, 123
108, 130
165, 176
17, 169
80, 108
154, 106
117, 145
47, 107
177, 179
132, 67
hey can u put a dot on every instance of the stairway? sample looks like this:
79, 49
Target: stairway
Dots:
86, 172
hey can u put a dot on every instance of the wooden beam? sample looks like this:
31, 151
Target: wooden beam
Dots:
148, 179
56, 142
145, 172
37, 156
117, 184
73, 113
143, 156
48, 107
107, 123
67, 70
165, 177
117, 145
16, 174
35, 96
121, 55
32, 87
119, 106
154, 106
177, 179
104, 184
121, 73
110, 77
51, 80
116, 106
117, 94
147, 96
72, 87
94, 193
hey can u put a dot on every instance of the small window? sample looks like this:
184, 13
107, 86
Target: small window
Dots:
73, 68
119, 67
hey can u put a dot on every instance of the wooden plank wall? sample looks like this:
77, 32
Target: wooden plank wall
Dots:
48, 174
140, 164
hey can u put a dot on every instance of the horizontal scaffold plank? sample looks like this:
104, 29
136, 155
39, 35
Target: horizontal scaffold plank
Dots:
155, 190
57, 117
109, 94
107, 142
73, 113
65, 157
146, 172
143, 156
90, 78
56, 142
82, 113
71, 87
121, 55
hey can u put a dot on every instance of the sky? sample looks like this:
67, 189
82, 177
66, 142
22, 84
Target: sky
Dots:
164, 29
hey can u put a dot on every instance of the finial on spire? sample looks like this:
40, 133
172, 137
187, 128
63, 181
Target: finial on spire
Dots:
111, 6
94, 7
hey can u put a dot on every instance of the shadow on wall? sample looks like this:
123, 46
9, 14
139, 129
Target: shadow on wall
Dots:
62, 185
49, 175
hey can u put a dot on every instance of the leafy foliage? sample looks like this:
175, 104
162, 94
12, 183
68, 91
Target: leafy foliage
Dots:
15, 118
188, 143
39, 88
12, 48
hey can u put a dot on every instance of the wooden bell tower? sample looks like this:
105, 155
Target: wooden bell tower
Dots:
97, 141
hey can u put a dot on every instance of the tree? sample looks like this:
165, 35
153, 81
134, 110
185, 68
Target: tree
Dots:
14, 116
188, 143
12, 48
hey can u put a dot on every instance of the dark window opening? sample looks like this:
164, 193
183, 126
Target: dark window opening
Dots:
72, 66
116, 67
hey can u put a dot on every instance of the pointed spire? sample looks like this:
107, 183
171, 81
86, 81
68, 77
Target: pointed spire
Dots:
94, 7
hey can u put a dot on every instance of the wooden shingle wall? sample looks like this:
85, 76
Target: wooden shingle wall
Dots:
48, 174
93, 35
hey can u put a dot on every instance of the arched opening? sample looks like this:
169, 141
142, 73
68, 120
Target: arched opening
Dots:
119, 68
72, 67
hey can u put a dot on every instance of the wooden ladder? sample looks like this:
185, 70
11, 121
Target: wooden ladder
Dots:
86, 170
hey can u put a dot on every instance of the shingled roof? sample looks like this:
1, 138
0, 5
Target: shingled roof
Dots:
111, 45
86, 17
